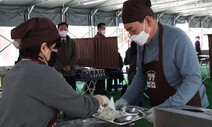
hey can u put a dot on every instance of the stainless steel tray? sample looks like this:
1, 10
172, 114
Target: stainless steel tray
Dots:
128, 115
89, 122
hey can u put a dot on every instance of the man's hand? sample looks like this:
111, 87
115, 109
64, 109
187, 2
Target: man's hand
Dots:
103, 102
121, 102
151, 115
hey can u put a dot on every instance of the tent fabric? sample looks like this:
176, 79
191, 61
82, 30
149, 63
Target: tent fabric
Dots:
53, 14
14, 15
78, 17
106, 17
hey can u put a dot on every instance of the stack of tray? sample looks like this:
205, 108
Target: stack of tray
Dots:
92, 73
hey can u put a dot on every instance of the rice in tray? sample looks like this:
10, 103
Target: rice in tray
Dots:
109, 114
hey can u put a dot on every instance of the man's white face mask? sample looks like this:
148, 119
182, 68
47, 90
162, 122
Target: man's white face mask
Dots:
63, 33
103, 32
141, 38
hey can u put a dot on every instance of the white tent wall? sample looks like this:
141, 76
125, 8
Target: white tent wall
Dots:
8, 55
83, 19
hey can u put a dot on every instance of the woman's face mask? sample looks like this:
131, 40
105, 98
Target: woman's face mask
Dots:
53, 58
141, 38
63, 33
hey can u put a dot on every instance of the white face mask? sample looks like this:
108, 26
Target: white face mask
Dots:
141, 38
63, 33
103, 32
16, 44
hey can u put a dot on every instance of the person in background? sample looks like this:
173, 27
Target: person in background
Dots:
165, 55
100, 84
33, 90
115, 75
101, 30
66, 56
197, 46
130, 59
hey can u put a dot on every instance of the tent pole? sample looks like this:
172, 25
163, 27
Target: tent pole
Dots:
7, 45
176, 19
93, 12
63, 13
30, 11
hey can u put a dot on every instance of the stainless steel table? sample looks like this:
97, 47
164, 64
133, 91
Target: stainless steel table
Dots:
182, 116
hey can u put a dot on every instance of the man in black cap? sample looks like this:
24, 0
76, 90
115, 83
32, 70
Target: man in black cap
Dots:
165, 55
33, 91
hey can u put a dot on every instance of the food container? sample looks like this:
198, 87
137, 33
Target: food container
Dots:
127, 115
90, 122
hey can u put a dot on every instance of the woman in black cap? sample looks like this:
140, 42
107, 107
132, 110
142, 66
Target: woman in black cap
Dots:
167, 63
33, 92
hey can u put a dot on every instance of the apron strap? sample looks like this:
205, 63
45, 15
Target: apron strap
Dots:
160, 41
53, 119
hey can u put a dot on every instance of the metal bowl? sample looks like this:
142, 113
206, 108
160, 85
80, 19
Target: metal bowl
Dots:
132, 110
122, 108
90, 122
125, 119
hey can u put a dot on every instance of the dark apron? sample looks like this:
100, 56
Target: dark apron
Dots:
158, 87
53, 119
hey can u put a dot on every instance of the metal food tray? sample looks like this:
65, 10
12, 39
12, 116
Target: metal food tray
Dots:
128, 115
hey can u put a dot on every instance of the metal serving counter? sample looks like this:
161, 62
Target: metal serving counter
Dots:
183, 116
89, 122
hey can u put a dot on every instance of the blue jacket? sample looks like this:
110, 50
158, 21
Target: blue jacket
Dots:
181, 68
